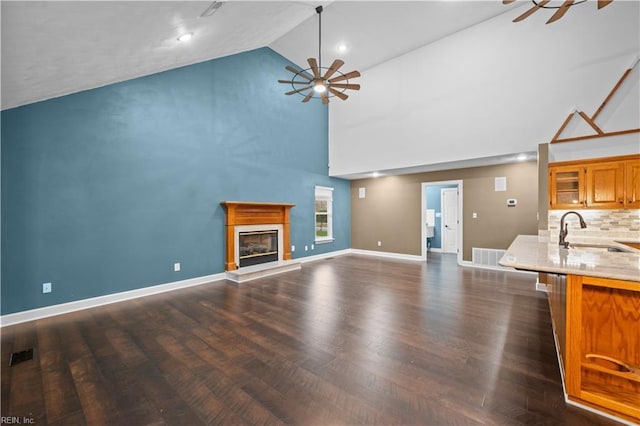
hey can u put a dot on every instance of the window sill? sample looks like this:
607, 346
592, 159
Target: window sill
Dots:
325, 240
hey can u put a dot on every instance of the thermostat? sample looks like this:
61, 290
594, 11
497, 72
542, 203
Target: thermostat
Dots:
512, 202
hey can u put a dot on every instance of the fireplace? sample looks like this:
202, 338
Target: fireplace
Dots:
256, 233
255, 247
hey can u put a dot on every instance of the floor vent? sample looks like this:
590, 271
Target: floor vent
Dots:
18, 357
487, 258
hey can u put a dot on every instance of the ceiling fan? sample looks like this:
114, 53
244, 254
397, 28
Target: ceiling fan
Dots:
559, 13
318, 80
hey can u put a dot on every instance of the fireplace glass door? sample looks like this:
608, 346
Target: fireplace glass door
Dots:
257, 247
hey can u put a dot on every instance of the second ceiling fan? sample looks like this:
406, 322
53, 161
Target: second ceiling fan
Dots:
560, 9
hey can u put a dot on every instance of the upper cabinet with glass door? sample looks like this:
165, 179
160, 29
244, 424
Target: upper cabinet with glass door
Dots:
606, 183
566, 187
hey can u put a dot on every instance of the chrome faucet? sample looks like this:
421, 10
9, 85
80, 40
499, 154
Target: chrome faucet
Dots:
564, 229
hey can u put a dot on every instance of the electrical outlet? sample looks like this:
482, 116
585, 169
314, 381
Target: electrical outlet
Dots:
293, 248
306, 248
46, 287
474, 215
379, 243
176, 267
312, 246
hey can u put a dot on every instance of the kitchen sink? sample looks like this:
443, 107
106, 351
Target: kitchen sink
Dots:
607, 247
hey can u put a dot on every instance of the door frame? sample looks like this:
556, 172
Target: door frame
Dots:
423, 215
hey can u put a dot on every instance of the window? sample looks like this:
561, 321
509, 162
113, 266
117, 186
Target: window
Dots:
324, 212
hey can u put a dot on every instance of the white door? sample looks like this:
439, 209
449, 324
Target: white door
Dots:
449, 220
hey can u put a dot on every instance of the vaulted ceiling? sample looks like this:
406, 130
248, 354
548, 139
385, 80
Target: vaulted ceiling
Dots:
54, 48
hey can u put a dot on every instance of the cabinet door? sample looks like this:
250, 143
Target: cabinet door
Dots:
632, 178
603, 344
566, 187
605, 185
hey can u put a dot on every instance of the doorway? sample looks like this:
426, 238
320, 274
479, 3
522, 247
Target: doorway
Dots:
441, 218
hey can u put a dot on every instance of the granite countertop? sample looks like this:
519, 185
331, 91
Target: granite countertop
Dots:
537, 253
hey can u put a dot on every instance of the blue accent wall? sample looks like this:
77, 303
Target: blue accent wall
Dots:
103, 190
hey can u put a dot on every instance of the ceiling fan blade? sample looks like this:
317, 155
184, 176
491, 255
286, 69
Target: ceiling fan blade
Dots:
507, 1
346, 86
298, 90
293, 82
314, 67
333, 68
325, 99
309, 96
299, 72
560, 12
347, 76
338, 93
603, 3
531, 11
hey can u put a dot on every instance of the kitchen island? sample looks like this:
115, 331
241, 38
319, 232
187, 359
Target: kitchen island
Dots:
594, 298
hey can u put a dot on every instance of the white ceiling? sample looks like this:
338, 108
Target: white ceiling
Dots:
54, 48
376, 31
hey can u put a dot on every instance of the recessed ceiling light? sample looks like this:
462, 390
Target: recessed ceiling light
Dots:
342, 48
522, 157
375, 174
185, 37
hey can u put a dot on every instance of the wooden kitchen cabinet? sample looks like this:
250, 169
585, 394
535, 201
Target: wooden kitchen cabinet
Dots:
602, 354
606, 183
632, 183
566, 187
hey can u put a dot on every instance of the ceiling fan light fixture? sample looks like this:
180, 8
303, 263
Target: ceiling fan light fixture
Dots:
325, 82
319, 87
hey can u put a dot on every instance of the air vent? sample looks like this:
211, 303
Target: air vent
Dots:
18, 357
487, 258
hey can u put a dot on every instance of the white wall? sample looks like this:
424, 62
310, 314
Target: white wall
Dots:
610, 146
493, 89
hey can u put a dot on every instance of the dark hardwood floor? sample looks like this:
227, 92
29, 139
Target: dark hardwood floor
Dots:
348, 340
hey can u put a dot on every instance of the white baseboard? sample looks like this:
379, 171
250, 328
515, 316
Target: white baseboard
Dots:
315, 257
389, 255
77, 305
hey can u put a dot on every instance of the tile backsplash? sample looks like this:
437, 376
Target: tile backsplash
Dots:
600, 223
